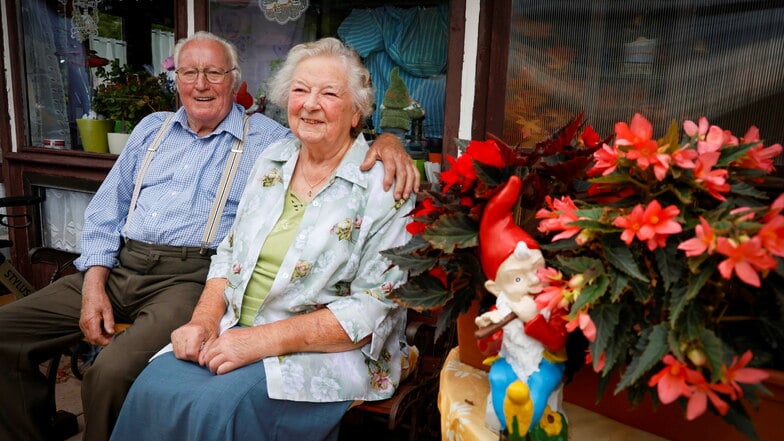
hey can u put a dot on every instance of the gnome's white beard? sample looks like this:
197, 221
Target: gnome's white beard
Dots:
522, 352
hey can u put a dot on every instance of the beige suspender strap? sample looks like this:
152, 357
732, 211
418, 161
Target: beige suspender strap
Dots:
223, 191
145, 164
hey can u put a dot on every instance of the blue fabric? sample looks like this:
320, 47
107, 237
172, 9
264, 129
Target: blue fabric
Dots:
415, 39
179, 400
178, 188
540, 384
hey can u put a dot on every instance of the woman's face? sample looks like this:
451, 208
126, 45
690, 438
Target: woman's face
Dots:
321, 109
206, 104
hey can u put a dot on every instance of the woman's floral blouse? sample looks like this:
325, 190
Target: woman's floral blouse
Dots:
334, 262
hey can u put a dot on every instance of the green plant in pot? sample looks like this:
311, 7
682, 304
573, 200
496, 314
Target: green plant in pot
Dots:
127, 95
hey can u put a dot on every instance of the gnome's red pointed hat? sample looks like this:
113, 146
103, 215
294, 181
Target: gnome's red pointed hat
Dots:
498, 233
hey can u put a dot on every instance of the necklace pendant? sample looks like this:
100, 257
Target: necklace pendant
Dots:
310, 193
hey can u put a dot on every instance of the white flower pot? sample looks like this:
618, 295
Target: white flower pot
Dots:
117, 142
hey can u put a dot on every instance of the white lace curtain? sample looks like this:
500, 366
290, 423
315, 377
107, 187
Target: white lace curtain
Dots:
62, 218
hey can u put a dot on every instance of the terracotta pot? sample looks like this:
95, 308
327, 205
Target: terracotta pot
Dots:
469, 351
669, 421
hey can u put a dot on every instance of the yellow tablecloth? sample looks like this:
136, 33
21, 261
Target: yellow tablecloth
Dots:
462, 399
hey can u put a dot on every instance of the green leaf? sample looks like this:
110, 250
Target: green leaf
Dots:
671, 137
421, 292
670, 266
744, 189
655, 343
713, 348
681, 298
621, 257
619, 282
581, 265
411, 256
730, 154
605, 317
489, 174
452, 231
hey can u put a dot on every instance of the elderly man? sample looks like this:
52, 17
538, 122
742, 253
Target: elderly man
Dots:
148, 237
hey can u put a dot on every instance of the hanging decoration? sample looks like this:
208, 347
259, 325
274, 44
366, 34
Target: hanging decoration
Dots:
283, 11
84, 21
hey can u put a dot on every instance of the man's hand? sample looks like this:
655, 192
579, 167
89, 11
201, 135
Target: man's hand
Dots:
397, 164
97, 318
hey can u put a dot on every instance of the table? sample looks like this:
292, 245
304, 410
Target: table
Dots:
462, 399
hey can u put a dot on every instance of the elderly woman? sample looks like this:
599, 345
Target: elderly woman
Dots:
294, 323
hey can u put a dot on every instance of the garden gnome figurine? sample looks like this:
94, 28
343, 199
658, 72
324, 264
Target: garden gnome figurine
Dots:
398, 108
526, 377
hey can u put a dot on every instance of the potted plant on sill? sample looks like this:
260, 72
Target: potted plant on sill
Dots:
126, 96
665, 254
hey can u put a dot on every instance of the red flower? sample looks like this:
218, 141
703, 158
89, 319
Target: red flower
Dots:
745, 259
737, 372
670, 382
652, 225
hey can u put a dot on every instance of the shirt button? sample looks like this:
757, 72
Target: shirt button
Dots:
315, 203
174, 193
286, 275
154, 214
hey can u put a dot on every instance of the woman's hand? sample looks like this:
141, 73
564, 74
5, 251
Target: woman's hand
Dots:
233, 349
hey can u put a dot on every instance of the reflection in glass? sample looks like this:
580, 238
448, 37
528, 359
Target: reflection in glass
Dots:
666, 60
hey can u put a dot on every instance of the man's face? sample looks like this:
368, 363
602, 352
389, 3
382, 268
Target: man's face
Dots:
206, 103
516, 276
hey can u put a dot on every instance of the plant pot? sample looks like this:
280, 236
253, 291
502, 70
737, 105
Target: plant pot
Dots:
117, 142
94, 134
466, 327
669, 421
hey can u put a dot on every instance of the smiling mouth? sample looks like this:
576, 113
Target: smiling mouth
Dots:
204, 98
311, 121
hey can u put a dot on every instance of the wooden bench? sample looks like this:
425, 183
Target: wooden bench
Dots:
412, 408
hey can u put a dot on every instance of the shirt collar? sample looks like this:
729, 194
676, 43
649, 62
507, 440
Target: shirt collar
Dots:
349, 165
232, 123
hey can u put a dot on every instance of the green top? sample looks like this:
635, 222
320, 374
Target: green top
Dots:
271, 256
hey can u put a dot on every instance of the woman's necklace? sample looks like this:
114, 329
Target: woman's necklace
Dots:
312, 186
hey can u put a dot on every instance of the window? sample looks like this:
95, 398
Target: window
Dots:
64, 38
667, 60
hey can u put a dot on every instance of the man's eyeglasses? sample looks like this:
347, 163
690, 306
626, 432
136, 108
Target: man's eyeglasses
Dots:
214, 75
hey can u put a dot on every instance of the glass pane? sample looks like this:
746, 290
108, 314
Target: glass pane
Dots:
63, 42
666, 60
62, 218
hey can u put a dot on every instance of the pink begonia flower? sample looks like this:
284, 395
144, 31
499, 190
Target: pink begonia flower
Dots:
606, 160
704, 240
684, 157
562, 213
760, 158
775, 208
745, 259
670, 382
701, 391
709, 138
642, 148
652, 224
737, 372
715, 181
553, 286
584, 322
772, 236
